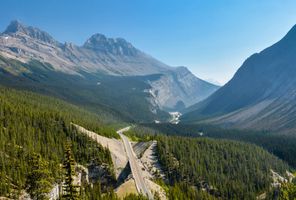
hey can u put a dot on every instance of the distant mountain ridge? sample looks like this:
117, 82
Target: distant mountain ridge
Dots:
261, 95
16, 27
175, 89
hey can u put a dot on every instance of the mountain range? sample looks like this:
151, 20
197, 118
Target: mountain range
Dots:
261, 95
165, 88
101, 115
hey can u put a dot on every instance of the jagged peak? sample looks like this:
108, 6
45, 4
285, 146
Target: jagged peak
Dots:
16, 27
118, 46
95, 40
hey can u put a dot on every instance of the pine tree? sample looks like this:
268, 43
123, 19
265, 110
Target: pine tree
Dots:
288, 191
39, 178
70, 190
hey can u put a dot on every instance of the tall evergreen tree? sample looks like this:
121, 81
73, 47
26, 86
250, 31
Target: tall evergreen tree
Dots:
288, 191
39, 178
70, 190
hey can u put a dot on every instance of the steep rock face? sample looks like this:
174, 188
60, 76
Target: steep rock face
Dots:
118, 46
260, 95
99, 54
17, 29
178, 89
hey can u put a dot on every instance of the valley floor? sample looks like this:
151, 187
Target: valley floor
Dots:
143, 169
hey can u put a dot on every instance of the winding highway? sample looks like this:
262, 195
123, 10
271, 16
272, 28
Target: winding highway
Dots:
133, 161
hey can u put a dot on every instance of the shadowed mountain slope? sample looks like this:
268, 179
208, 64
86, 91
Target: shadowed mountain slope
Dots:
261, 95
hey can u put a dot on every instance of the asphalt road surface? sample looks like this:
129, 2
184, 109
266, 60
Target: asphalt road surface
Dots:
135, 168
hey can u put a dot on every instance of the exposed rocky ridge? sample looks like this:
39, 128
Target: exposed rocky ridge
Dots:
118, 46
99, 54
179, 89
261, 95
15, 28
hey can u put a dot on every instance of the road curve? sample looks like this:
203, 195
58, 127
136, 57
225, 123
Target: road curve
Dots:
133, 161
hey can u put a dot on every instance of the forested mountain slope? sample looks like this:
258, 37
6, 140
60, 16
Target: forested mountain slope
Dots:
282, 146
31, 123
174, 88
127, 98
261, 94
225, 169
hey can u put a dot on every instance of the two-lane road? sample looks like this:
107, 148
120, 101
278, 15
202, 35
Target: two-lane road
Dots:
136, 171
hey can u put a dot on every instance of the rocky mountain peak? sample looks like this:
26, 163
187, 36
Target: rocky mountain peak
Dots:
184, 72
117, 46
96, 41
16, 28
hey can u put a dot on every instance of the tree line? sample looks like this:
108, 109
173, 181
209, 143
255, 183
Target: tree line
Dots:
33, 133
226, 169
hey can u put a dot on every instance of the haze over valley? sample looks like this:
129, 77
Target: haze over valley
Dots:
103, 119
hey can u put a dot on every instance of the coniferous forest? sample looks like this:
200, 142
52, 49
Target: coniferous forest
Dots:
35, 131
87, 114
225, 169
221, 167
281, 145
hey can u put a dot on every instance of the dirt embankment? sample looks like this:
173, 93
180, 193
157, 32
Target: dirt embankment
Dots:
115, 146
148, 162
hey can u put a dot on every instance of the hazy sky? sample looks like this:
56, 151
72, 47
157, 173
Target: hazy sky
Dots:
212, 38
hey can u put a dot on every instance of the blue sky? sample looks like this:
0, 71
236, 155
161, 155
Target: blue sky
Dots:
211, 37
